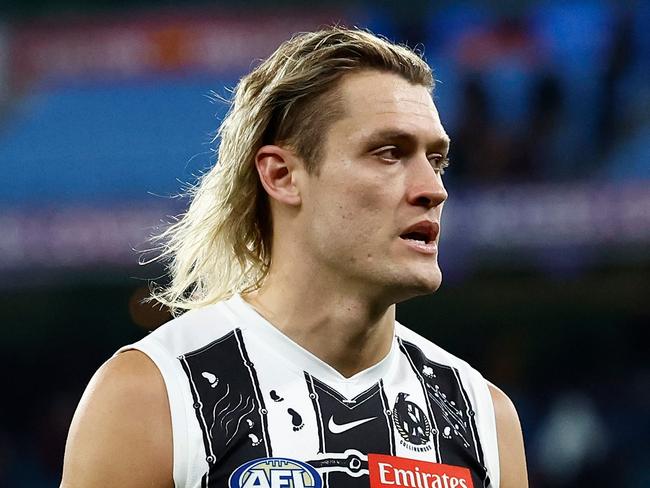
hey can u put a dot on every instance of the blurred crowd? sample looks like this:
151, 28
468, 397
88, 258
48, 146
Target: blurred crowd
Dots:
530, 91
541, 91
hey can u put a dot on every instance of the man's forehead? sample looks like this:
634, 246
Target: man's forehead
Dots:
398, 107
372, 91
375, 102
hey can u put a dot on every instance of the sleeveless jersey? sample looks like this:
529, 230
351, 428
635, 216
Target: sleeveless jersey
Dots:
251, 408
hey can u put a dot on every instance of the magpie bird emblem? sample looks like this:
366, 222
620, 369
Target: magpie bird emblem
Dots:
410, 421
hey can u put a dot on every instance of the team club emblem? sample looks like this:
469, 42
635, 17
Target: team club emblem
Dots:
411, 423
275, 473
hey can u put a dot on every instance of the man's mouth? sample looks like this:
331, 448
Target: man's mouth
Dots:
421, 237
416, 236
423, 232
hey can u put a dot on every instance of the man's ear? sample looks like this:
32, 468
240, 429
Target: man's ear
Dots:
277, 169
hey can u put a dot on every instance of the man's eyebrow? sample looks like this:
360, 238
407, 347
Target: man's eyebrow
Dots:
437, 142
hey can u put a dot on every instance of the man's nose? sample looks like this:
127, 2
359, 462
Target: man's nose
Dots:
427, 189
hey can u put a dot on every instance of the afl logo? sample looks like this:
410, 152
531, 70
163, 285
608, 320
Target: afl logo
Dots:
275, 473
410, 421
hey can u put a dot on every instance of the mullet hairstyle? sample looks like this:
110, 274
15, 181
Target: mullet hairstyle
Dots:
222, 244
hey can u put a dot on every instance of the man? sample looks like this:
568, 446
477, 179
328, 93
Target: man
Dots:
289, 369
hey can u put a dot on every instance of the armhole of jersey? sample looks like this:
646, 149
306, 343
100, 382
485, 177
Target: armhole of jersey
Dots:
488, 431
175, 396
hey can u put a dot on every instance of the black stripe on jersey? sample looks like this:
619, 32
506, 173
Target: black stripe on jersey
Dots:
313, 395
198, 408
472, 421
389, 417
258, 391
436, 432
228, 406
450, 405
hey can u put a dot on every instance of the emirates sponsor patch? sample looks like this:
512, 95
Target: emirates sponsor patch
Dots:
397, 472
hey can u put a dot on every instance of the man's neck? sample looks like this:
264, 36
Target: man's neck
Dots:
342, 329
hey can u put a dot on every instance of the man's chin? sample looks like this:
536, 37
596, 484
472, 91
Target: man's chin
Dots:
431, 285
420, 285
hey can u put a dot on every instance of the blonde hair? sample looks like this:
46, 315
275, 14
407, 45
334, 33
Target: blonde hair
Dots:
222, 244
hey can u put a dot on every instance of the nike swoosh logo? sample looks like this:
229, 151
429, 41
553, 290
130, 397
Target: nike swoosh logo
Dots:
340, 428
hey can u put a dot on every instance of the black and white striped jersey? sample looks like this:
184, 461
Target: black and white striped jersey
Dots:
239, 390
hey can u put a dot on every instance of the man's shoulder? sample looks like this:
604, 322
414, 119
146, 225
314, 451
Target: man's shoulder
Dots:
123, 416
512, 457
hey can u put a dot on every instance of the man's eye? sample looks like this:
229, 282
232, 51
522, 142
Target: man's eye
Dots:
439, 162
388, 153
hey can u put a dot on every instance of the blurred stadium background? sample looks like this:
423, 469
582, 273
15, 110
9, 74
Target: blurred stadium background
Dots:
107, 109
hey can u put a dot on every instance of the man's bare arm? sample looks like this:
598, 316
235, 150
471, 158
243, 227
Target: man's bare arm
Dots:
121, 432
512, 459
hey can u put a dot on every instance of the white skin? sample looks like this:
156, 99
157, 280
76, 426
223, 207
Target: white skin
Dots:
339, 264
338, 267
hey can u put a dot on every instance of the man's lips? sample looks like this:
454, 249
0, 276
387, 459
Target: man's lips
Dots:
421, 236
425, 231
